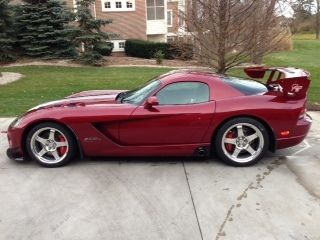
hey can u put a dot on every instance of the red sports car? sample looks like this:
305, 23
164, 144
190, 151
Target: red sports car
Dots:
182, 113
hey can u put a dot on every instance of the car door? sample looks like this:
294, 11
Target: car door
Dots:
182, 117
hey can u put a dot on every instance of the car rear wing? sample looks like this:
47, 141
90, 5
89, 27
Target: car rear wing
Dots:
293, 82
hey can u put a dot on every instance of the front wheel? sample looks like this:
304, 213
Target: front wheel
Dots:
241, 142
50, 144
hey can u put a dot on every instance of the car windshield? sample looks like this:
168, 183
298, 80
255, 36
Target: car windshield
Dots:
138, 95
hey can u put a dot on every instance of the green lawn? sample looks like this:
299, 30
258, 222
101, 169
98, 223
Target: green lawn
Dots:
44, 83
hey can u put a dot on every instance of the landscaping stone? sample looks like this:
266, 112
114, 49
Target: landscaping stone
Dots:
8, 77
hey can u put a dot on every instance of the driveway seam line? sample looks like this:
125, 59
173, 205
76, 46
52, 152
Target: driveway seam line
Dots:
192, 200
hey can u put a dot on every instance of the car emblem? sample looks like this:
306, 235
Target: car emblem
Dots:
92, 139
296, 88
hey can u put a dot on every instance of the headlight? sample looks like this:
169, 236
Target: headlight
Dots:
15, 122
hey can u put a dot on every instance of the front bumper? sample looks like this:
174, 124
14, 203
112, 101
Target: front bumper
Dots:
301, 131
15, 150
15, 154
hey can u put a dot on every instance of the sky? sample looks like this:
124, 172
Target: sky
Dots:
285, 9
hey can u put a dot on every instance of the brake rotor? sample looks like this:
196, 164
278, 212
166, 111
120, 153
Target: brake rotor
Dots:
62, 150
230, 147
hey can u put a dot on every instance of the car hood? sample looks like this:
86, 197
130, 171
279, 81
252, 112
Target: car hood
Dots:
95, 97
95, 93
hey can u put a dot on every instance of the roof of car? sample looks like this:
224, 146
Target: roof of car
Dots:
289, 72
189, 72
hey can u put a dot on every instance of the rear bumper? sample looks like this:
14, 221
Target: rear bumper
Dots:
301, 131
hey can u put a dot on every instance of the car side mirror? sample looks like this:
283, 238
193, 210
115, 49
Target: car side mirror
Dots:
151, 101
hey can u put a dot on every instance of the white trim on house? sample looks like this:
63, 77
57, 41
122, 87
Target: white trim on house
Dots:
94, 11
118, 5
171, 34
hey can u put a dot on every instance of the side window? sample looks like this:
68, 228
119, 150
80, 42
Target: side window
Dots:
184, 93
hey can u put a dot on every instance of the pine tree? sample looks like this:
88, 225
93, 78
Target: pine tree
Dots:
44, 30
89, 35
6, 33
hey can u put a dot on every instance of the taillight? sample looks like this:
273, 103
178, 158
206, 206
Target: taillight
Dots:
303, 113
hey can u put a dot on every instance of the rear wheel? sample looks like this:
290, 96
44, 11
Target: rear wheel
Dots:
50, 144
242, 142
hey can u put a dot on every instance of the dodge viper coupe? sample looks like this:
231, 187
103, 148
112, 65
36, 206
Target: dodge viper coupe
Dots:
181, 113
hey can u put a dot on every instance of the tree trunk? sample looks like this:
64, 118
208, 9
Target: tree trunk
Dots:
318, 20
264, 31
256, 32
223, 25
257, 58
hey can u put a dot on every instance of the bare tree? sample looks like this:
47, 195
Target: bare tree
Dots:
268, 29
230, 32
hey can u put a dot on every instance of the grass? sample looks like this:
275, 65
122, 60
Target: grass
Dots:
45, 83
304, 36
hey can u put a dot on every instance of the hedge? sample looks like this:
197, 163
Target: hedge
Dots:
147, 49
181, 50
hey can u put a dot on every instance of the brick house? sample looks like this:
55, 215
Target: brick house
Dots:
154, 20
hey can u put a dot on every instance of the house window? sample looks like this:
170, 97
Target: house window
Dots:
107, 4
155, 9
129, 4
181, 20
118, 45
121, 44
118, 4
170, 39
169, 18
76, 4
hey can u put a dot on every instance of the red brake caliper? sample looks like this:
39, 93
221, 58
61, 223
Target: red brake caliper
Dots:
62, 150
230, 147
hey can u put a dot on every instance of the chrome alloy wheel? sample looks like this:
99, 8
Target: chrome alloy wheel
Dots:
49, 145
242, 142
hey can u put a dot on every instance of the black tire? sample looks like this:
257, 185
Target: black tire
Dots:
61, 131
261, 142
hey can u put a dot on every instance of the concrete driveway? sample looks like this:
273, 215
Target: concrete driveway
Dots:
164, 198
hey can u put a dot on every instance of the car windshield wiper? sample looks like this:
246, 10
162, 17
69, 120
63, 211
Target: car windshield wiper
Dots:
124, 100
127, 95
122, 95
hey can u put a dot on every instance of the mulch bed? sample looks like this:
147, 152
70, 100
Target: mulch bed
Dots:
110, 61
